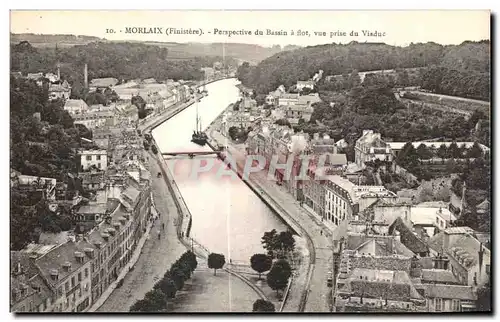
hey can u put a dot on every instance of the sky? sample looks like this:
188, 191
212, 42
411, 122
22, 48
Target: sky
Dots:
391, 27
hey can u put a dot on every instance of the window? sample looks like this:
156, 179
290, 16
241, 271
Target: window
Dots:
89, 158
87, 272
438, 303
437, 220
73, 281
80, 277
99, 165
66, 286
98, 158
455, 306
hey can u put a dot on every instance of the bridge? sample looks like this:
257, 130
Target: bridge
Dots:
191, 154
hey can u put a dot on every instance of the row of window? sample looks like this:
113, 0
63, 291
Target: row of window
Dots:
89, 157
439, 305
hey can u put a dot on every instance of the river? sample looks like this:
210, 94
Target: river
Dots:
227, 216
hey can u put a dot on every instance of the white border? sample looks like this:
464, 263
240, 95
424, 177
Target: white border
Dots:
190, 4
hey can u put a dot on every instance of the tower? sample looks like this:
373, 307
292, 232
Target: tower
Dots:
86, 76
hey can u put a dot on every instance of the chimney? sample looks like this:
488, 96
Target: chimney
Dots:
67, 266
480, 257
89, 252
54, 274
86, 76
79, 257
117, 226
98, 244
105, 236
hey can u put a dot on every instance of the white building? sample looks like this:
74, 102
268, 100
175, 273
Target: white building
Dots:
431, 215
303, 84
76, 106
370, 147
97, 158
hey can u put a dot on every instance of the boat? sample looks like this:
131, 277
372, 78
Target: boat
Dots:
199, 137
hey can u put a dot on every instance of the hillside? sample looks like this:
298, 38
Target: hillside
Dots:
123, 61
242, 52
470, 60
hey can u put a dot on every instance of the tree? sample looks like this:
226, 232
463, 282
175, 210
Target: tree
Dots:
178, 276
261, 305
261, 263
154, 301
278, 276
442, 151
424, 152
167, 286
286, 241
270, 241
475, 151
454, 151
216, 261
154, 149
233, 131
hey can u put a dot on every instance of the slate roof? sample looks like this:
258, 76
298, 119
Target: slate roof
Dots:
103, 82
57, 257
459, 292
411, 241
440, 276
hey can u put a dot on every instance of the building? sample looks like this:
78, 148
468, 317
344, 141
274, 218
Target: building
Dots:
209, 72
432, 217
370, 147
58, 275
96, 118
297, 112
93, 180
448, 298
314, 192
470, 261
102, 83
93, 158
322, 145
375, 272
75, 107
340, 201
45, 187
287, 99
59, 91
305, 84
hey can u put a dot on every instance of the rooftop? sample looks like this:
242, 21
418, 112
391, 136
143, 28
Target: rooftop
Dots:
103, 82
440, 276
460, 292
60, 256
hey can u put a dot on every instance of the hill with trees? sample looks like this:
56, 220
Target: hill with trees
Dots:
245, 52
123, 61
43, 143
452, 69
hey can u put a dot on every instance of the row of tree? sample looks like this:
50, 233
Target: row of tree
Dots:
409, 154
165, 289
